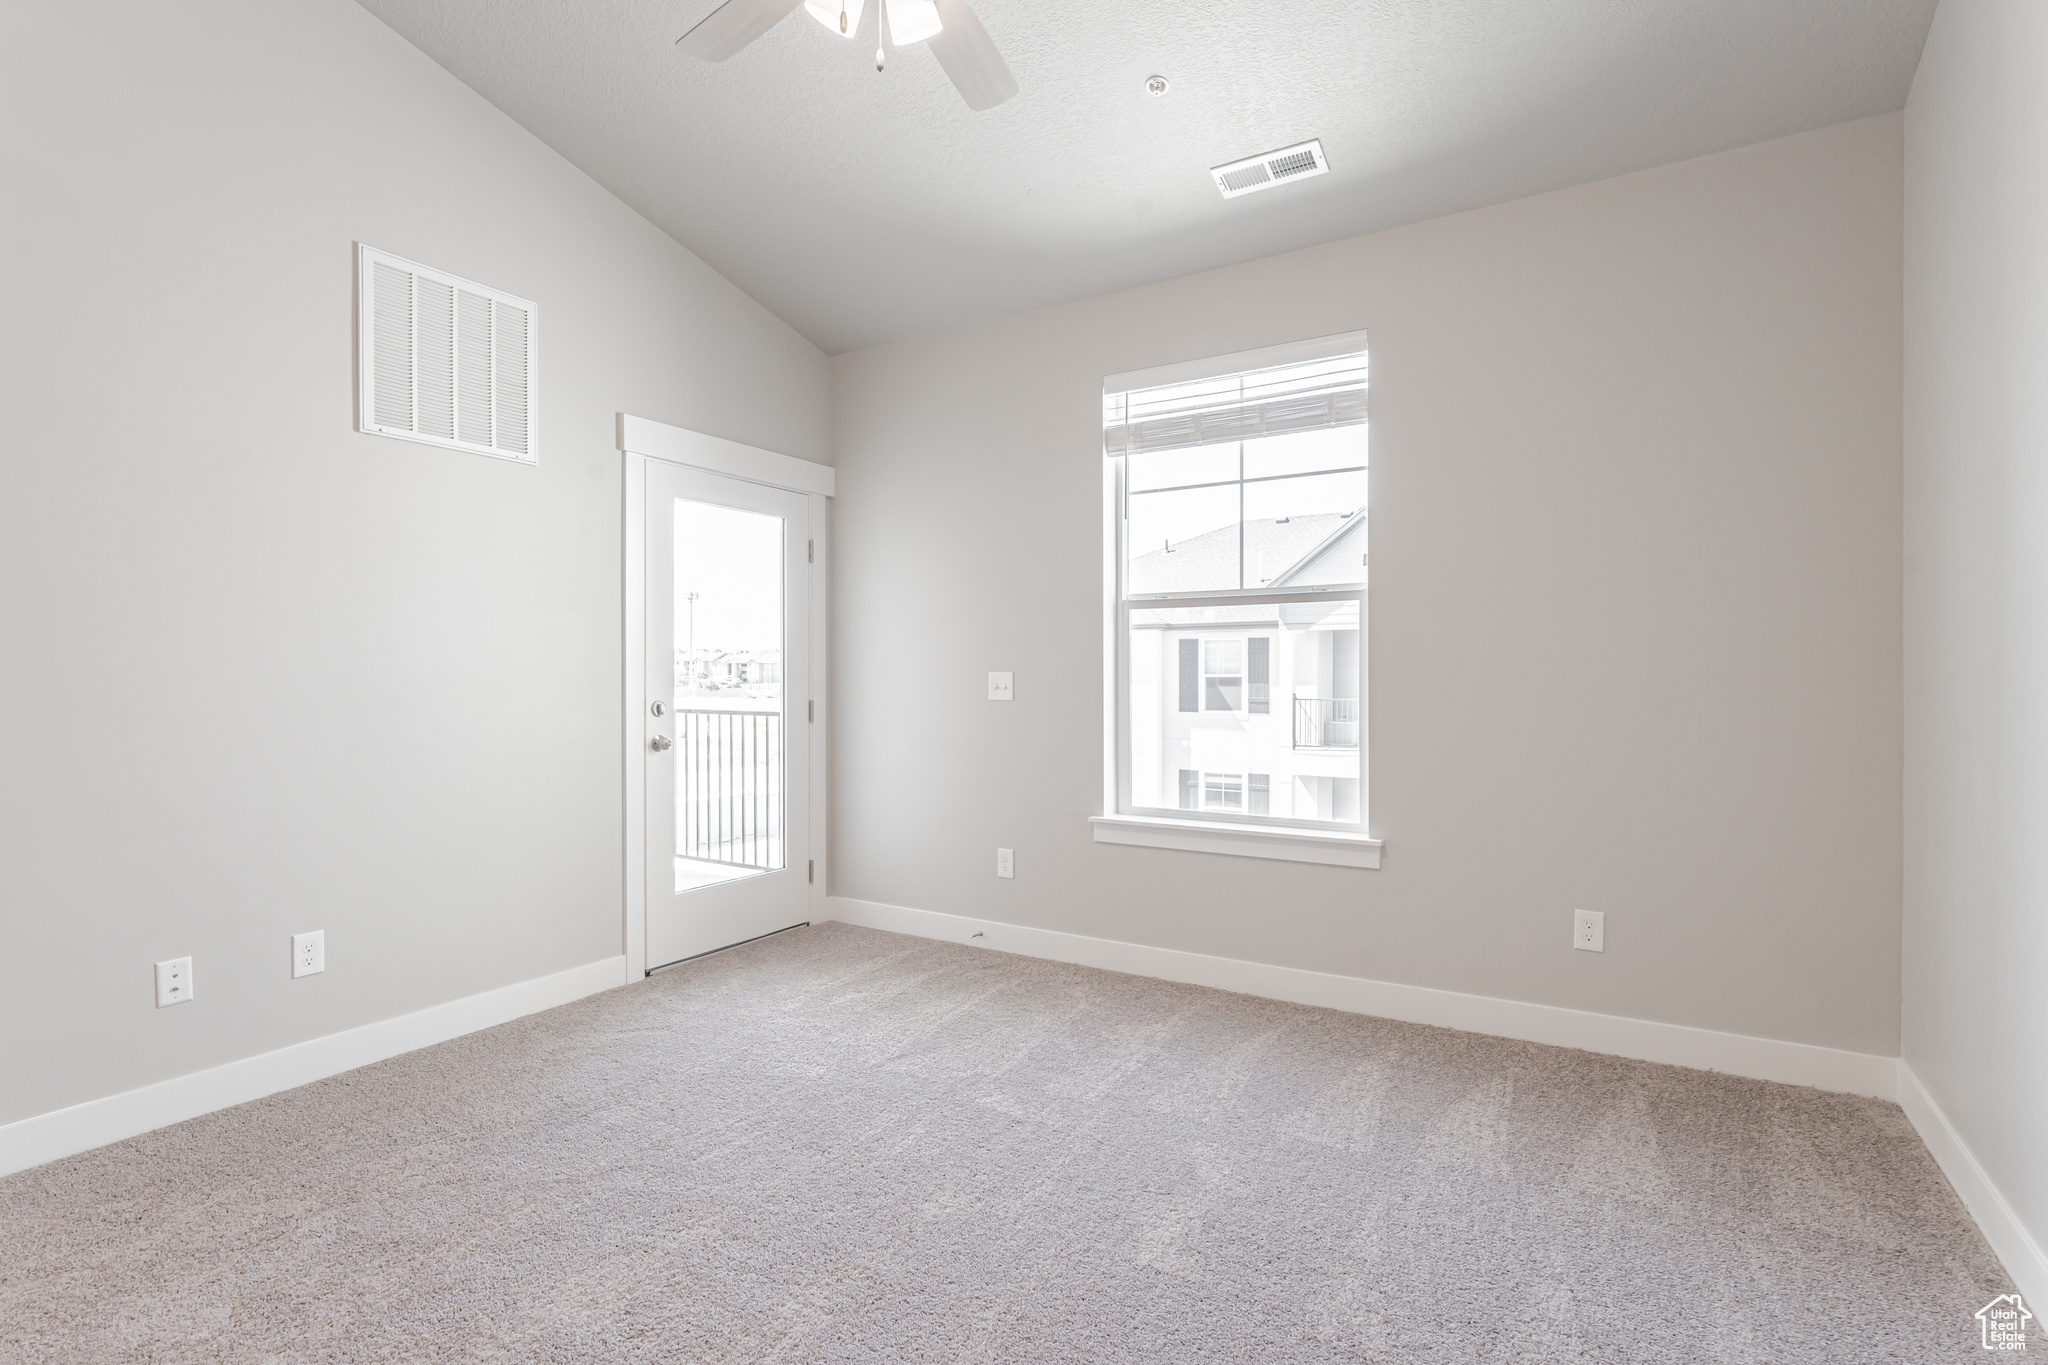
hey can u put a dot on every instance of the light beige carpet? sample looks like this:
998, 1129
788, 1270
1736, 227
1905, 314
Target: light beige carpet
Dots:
842, 1145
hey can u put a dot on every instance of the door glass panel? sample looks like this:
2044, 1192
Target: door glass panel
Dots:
728, 694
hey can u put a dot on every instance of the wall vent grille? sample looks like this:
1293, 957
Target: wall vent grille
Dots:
1268, 169
443, 360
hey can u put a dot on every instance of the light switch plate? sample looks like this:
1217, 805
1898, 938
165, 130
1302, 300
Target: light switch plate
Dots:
173, 982
1002, 686
309, 953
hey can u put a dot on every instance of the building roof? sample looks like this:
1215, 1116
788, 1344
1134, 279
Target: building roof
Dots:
1273, 549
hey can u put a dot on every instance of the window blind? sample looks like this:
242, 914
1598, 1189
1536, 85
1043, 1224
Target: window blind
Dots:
1275, 401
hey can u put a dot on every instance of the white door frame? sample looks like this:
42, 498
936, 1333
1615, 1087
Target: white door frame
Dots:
640, 441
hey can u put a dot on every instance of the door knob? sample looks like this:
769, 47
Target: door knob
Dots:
662, 742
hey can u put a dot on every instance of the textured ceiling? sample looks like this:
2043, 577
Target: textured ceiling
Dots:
866, 208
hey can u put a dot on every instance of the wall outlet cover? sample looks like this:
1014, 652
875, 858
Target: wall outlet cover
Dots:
173, 982
1006, 863
309, 953
1589, 930
1002, 686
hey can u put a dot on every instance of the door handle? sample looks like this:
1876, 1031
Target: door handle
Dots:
661, 742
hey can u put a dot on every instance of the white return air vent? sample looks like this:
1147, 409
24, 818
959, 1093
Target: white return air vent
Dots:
1255, 173
442, 360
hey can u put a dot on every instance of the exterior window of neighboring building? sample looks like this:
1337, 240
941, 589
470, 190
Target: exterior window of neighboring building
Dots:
1240, 595
1222, 674
1223, 791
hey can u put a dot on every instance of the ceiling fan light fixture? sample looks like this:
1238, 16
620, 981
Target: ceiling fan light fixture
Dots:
830, 13
948, 28
912, 21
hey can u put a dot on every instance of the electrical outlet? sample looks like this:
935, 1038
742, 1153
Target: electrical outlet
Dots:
1002, 686
1006, 863
1589, 930
173, 982
309, 953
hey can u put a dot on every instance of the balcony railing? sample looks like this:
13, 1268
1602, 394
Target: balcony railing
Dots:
729, 787
1326, 722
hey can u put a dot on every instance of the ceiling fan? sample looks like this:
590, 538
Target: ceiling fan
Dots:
947, 27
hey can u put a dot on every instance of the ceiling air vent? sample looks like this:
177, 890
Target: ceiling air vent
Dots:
442, 360
1255, 173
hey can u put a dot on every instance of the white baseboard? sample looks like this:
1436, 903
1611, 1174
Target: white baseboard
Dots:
2009, 1238
1763, 1059
62, 1132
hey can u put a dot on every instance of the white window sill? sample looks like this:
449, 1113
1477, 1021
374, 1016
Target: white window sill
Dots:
1244, 841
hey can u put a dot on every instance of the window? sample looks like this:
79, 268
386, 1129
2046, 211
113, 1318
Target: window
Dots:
1238, 502
1223, 791
1222, 674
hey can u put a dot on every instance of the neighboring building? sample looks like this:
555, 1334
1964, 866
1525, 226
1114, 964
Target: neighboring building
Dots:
1325, 547
746, 672
1252, 709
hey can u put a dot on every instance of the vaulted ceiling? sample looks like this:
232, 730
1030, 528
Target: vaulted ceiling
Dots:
864, 207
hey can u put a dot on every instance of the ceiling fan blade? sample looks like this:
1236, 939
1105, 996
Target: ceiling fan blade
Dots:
969, 56
732, 26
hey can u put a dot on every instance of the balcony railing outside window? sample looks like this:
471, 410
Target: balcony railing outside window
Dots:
729, 787
1326, 722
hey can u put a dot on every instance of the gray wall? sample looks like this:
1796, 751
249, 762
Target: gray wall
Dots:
1976, 937
1635, 602
262, 674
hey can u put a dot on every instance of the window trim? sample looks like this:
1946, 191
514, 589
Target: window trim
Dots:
1243, 841
1241, 835
1238, 362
